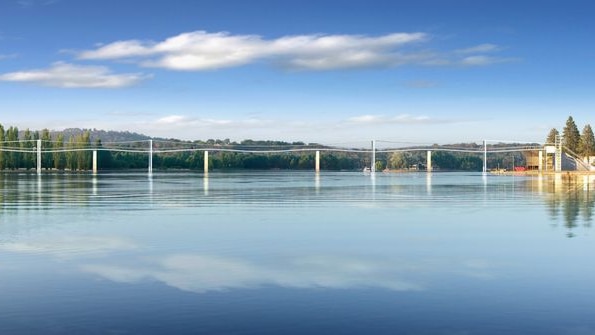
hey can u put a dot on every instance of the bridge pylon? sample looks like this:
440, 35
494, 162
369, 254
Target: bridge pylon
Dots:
485, 157
38, 156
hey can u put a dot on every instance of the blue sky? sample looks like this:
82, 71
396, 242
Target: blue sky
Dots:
424, 71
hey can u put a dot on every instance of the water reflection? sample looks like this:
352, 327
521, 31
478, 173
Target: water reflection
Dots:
39, 189
69, 246
93, 182
205, 184
203, 273
454, 251
569, 198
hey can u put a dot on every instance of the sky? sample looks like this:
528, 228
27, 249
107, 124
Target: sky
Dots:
331, 72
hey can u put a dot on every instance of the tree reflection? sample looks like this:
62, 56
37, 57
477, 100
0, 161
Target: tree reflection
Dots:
570, 198
29, 191
587, 210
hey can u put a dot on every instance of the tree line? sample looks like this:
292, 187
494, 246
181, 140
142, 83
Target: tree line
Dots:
18, 150
452, 161
81, 160
55, 159
582, 144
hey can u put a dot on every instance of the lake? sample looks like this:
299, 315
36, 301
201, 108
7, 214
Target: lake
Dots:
288, 252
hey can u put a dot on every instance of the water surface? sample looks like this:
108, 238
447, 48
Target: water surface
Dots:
296, 252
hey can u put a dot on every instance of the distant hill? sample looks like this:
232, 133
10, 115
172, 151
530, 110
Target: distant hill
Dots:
104, 135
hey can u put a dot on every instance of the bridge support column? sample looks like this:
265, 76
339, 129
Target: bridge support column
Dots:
206, 165
317, 165
373, 167
150, 156
540, 160
38, 156
94, 161
429, 161
485, 157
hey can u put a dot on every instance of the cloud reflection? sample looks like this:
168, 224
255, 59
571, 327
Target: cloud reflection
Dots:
70, 246
203, 273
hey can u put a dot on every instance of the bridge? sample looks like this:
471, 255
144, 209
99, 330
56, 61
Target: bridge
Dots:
149, 148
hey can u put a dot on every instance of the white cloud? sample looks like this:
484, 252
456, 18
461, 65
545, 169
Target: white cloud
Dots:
481, 48
182, 122
67, 75
200, 50
475, 56
398, 119
172, 119
366, 119
482, 60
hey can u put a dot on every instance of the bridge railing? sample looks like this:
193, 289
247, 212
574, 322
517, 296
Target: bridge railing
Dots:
163, 147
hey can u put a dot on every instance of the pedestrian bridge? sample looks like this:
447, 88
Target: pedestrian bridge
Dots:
153, 147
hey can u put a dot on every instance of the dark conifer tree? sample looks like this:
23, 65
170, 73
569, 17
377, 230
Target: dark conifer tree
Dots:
587, 142
551, 137
571, 135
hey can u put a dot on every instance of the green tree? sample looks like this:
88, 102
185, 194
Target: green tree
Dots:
306, 161
71, 154
587, 142
104, 157
83, 158
445, 160
28, 145
13, 159
58, 157
329, 162
196, 160
47, 160
551, 137
399, 160
77, 158
470, 163
571, 135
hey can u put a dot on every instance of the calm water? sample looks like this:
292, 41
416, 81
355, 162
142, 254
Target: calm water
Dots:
296, 253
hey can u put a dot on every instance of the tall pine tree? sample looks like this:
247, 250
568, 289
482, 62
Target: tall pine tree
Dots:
551, 137
571, 135
587, 142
